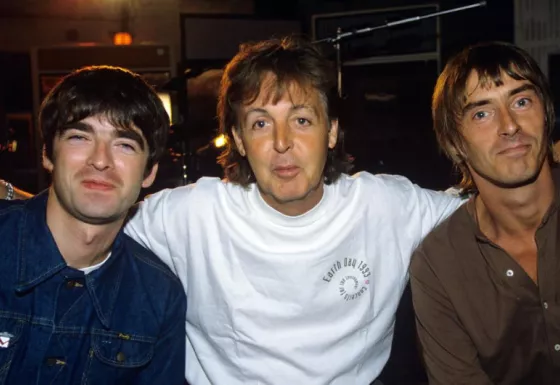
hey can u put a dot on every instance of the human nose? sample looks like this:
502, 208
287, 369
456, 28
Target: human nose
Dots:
508, 123
101, 158
283, 140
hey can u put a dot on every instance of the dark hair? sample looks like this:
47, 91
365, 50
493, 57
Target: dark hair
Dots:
121, 96
290, 60
488, 61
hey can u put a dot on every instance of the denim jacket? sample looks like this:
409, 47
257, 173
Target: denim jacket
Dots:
121, 324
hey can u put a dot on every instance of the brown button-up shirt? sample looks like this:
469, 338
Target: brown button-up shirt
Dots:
481, 319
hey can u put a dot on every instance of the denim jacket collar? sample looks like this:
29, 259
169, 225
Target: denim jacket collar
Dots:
103, 284
39, 259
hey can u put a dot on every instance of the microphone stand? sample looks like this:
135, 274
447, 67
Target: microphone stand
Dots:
343, 35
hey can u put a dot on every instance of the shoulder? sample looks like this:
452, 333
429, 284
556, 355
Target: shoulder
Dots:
373, 185
441, 246
149, 263
385, 185
13, 207
12, 211
12, 229
396, 190
380, 181
455, 227
204, 189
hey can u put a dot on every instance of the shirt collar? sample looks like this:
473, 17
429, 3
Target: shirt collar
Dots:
104, 283
315, 213
39, 259
469, 207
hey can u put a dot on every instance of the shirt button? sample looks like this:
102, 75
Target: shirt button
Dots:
545, 304
121, 357
509, 273
557, 347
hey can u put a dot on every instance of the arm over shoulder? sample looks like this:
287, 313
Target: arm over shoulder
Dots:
420, 209
147, 225
157, 223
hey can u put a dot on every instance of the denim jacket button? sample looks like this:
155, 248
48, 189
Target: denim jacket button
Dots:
52, 361
121, 357
74, 283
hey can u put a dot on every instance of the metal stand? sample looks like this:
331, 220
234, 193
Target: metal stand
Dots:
343, 35
338, 62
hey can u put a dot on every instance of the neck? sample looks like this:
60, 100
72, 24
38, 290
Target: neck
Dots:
81, 244
515, 212
297, 206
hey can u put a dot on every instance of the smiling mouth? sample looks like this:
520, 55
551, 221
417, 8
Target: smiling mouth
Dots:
516, 150
97, 185
286, 172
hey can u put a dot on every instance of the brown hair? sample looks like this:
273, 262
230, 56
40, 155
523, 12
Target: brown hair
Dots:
488, 61
120, 95
290, 60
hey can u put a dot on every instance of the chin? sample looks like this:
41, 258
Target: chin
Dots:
514, 181
287, 198
508, 175
94, 216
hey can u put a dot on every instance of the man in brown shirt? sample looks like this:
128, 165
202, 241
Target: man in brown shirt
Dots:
486, 282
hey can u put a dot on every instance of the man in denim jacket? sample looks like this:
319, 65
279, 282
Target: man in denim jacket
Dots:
80, 301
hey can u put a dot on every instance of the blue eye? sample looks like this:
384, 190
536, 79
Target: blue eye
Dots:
523, 102
480, 115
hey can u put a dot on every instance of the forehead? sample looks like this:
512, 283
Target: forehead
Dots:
100, 123
272, 93
105, 127
481, 86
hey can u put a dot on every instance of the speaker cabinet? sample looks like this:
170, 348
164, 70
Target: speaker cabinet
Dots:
387, 120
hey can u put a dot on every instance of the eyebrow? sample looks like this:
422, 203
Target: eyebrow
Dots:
80, 126
120, 133
515, 91
523, 88
256, 110
295, 107
132, 135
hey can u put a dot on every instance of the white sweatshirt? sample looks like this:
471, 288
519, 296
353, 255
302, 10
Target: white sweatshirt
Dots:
274, 299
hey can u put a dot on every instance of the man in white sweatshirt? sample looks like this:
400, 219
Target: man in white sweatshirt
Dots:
293, 269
